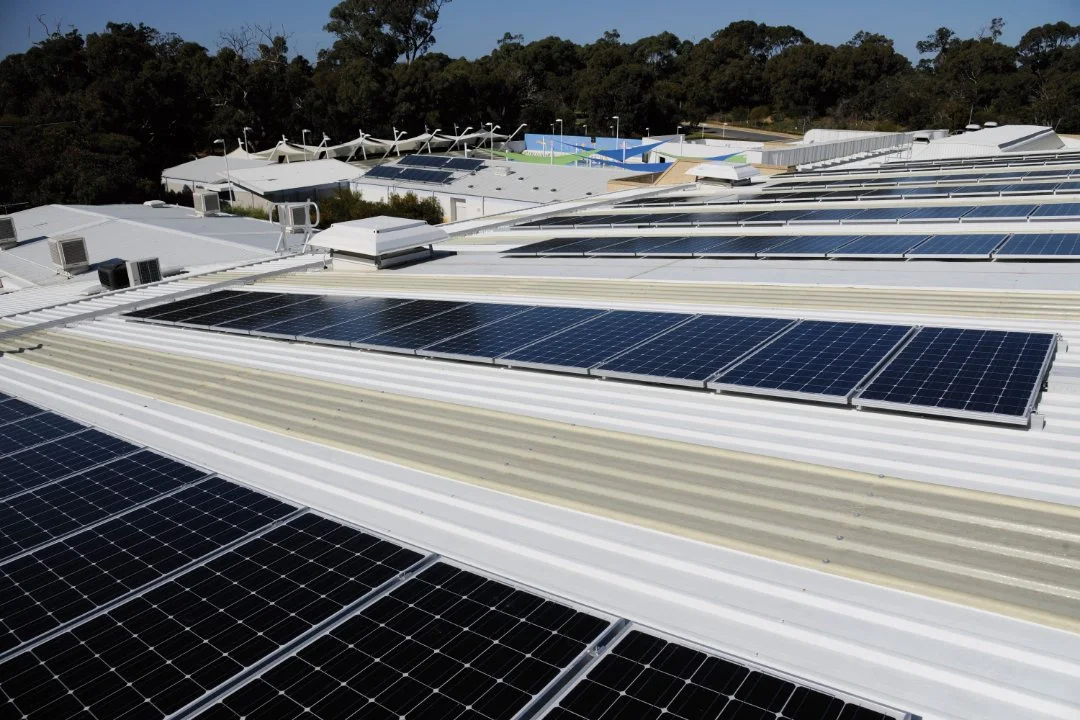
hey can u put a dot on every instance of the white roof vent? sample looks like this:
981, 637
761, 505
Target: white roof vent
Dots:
502, 171
207, 203
9, 238
145, 271
990, 124
69, 253
156, 204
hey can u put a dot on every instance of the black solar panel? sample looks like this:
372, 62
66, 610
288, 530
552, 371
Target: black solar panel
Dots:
490, 342
965, 373
307, 305
1041, 246
53, 510
694, 245
467, 164
957, 246
647, 678
432, 161
809, 246
446, 644
441, 327
425, 176
999, 212
14, 409
824, 216
389, 318
385, 172
33, 468
158, 652
78, 574
1058, 211
581, 247
258, 307
695, 351
34, 430
345, 311
634, 246
187, 312
816, 359
746, 246
536, 248
590, 343
932, 214
183, 304
884, 246
871, 215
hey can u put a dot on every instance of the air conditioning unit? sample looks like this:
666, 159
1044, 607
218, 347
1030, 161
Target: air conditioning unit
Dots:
113, 274
9, 238
206, 203
69, 253
140, 272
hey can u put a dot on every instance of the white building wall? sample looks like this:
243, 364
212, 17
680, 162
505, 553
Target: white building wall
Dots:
455, 206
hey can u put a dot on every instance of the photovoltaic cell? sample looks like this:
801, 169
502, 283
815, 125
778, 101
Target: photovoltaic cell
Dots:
645, 677
809, 246
74, 576
34, 467
579, 248
374, 323
34, 430
688, 246
158, 652
441, 327
337, 313
930, 214
590, 343
468, 164
957, 246
188, 302
14, 409
246, 310
490, 342
745, 246
816, 360
635, 246
53, 510
885, 246
871, 215
448, 644
313, 304
1058, 211
1041, 246
187, 312
965, 373
695, 351
1000, 212
542, 246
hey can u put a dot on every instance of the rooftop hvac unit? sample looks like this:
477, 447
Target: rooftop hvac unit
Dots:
9, 238
140, 272
70, 254
113, 274
207, 203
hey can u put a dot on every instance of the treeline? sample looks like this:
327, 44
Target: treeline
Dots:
95, 118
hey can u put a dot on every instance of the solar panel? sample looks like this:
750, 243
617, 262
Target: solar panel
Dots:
1068, 187
809, 246
14, 409
164, 649
468, 164
447, 644
370, 324
875, 215
581, 247
646, 677
37, 466
744, 246
934, 214
589, 344
410, 338
246, 310
187, 312
306, 325
975, 374
187, 302
424, 160
957, 246
824, 216
487, 343
999, 212
291, 311
635, 247
1041, 246
76, 575
425, 175
722, 218
694, 351
57, 509
34, 430
878, 246
775, 217
385, 172
1058, 211
693, 245
817, 360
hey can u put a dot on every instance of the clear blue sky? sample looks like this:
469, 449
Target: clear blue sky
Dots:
470, 27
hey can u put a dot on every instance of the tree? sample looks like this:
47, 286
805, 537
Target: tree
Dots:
385, 30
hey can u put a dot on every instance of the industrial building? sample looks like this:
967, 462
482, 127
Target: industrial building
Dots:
806, 449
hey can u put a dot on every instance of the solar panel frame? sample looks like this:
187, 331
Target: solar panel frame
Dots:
293, 311
1040, 246
829, 216
689, 246
581, 247
432, 161
229, 315
957, 247
909, 361
878, 215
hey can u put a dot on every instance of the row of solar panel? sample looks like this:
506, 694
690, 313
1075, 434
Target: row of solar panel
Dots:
945, 213
1066, 158
393, 172
183, 594
442, 161
1021, 178
1019, 246
814, 360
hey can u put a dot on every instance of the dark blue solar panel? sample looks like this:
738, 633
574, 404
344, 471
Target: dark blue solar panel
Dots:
955, 372
825, 216
816, 359
411, 338
1060, 245
34, 467
468, 164
745, 246
636, 246
1072, 186
78, 574
593, 342
318, 303
532, 249
154, 654
893, 246
246, 310
424, 160
958, 246
1058, 211
386, 172
810, 245
14, 409
927, 214
310, 325
388, 319
34, 430
722, 218
186, 312
1000, 212
188, 302
490, 342
776, 217
50, 511
582, 246
926, 192
878, 215
695, 351
692, 245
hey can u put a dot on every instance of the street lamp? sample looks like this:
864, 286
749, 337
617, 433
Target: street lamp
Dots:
616, 119
457, 138
246, 148
724, 131
491, 139
561, 144
431, 136
702, 131
551, 150
678, 131
303, 141
228, 174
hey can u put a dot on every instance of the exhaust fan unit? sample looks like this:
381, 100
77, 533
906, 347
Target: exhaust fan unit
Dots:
69, 253
140, 272
8, 237
207, 203
113, 274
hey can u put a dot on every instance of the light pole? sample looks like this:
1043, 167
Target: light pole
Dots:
457, 138
246, 148
491, 139
325, 144
616, 119
678, 131
303, 141
519, 129
551, 150
702, 131
228, 175
431, 136
725, 131
561, 144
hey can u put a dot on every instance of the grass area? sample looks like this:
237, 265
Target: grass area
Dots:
257, 213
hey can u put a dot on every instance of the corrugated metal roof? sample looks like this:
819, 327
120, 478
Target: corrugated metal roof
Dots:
280, 177
209, 169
